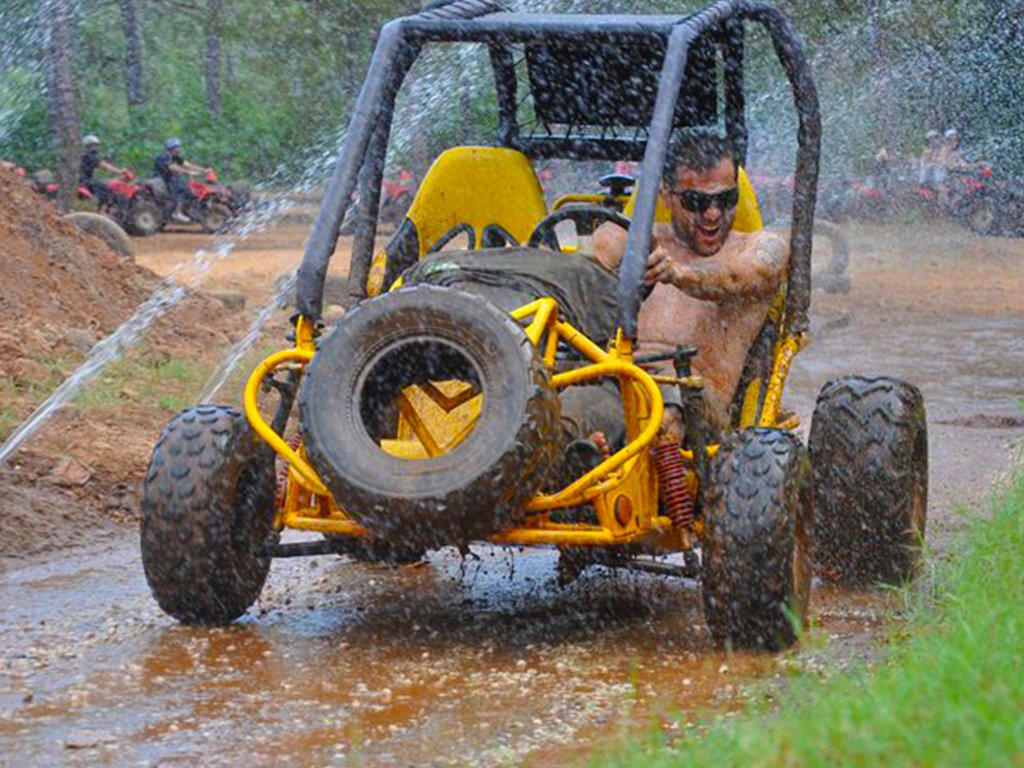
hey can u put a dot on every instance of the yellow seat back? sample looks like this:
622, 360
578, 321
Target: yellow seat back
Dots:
748, 215
467, 188
478, 187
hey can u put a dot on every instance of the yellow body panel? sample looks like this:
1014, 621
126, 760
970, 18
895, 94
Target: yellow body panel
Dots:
748, 215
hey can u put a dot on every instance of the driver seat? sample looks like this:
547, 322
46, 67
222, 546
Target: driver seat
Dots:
491, 194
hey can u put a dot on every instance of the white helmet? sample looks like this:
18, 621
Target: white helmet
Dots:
932, 134
952, 133
91, 141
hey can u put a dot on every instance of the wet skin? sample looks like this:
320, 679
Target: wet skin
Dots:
714, 286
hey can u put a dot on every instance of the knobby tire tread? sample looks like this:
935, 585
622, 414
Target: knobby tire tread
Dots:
207, 509
759, 510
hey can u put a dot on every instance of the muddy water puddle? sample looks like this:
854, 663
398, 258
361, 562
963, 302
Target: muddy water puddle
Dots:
451, 662
475, 661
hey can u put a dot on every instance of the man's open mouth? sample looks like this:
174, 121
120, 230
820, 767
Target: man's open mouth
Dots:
709, 233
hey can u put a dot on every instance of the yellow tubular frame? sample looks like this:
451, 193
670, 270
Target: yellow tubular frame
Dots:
308, 504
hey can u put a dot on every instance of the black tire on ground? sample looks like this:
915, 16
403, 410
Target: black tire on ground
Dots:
106, 229
216, 216
414, 335
869, 451
981, 216
756, 548
207, 509
145, 217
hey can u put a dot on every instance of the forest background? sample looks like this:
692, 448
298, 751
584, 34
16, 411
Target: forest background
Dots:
258, 88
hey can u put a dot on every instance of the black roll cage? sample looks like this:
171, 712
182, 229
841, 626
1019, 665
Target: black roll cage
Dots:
362, 156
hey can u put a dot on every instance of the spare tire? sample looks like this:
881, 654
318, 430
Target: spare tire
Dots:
104, 228
348, 406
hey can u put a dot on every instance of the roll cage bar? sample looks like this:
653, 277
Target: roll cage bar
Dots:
684, 40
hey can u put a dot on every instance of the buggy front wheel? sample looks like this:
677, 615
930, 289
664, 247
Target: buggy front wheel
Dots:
207, 510
757, 567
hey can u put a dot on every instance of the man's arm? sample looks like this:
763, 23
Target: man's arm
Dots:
110, 167
194, 169
756, 270
610, 245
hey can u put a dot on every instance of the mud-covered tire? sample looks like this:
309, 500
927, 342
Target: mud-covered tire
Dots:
104, 228
869, 452
757, 541
429, 333
207, 510
145, 217
216, 217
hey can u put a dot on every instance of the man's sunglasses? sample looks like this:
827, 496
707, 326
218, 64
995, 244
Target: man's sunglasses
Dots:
699, 202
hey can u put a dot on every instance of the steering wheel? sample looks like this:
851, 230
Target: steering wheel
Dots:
587, 217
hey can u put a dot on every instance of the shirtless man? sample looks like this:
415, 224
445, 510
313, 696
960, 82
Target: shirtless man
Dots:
713, 286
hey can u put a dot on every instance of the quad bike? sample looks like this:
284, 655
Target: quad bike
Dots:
45, 183
974, 199
125, 206
430, 414
209, 204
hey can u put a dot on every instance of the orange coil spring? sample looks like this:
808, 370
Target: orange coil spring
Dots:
668, 463
282, 473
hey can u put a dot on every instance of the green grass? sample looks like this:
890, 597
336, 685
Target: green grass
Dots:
170, 385
950, 695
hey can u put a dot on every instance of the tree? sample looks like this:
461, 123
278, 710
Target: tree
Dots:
133, 66
57, 19
214, 104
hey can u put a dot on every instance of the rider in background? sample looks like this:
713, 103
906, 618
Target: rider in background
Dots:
951, 156
91, 161
932, 174
172, 167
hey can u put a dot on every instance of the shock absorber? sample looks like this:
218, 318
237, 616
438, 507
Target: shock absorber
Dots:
282, 474
668, 463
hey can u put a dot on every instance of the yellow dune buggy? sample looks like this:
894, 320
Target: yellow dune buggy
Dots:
430, 414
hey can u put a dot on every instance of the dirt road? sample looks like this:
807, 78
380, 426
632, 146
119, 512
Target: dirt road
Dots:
485, 661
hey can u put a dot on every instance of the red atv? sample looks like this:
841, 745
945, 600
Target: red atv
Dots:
975, 199
211, 205
127, 204
43, 182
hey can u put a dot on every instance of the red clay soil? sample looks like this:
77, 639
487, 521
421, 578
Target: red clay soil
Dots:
62, 290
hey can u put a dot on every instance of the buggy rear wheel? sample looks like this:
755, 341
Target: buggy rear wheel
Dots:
869, 451
207, 510
429, 416
756, 547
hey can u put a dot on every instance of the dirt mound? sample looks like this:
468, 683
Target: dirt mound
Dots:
61, 290
61, 287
